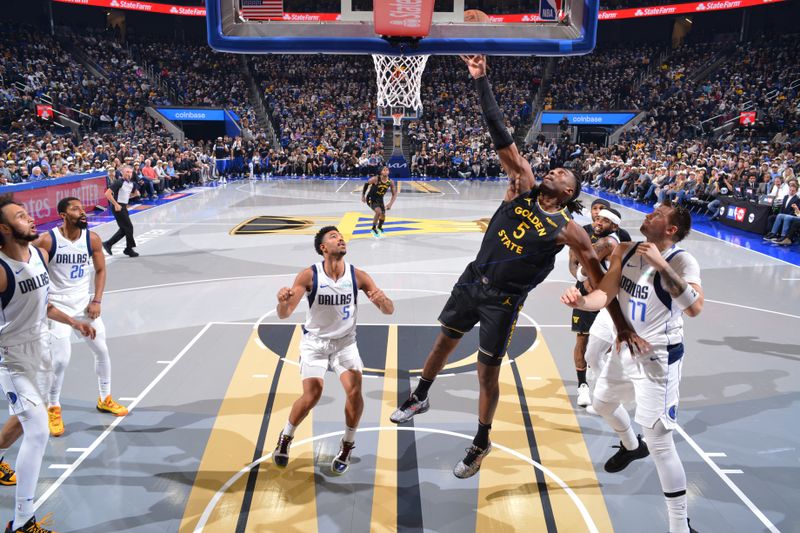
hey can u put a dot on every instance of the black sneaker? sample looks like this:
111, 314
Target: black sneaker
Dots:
341, 462
624, 457
281, 454
769, 236
410, 407
130, 253
471, 463
31, 526
107, 248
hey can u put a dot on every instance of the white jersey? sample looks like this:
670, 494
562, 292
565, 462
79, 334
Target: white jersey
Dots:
24, 301
70, 264
647, 306
332, 305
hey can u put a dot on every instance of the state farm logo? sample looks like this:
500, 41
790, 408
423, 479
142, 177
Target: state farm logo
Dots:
714, 6
173, 10
526, 18
114, 3
607, 15
638, 13
655, 11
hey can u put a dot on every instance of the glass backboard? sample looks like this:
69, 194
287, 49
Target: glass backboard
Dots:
515, 27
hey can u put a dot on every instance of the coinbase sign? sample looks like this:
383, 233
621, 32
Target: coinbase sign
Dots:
588, 119
208, 115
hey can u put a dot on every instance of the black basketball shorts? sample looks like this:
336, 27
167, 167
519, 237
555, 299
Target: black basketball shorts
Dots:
474, 300
582, 320
375, 203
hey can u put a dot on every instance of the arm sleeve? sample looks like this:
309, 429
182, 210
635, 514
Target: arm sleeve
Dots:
492, 114
364, 190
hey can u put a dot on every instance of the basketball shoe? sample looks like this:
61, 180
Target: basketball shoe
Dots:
110, 406
341, 462
471, 463
32, 526
620, 460
410, 407
7, 475
55, 421
281, 454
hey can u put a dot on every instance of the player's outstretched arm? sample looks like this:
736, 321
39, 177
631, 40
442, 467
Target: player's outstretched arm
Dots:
602, 295
520, 175
375, 295
288, 298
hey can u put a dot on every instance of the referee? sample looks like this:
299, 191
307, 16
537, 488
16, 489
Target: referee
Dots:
119, 194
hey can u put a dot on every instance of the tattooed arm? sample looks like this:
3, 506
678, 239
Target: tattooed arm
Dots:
672, 282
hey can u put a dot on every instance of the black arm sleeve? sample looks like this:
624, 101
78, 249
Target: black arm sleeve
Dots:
364, 190
492, 114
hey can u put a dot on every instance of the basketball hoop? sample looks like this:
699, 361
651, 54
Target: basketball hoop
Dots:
397, 118
399, 80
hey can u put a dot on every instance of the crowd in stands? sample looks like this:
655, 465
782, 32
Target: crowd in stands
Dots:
323, 114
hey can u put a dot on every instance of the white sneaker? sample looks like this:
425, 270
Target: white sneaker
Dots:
590, 410
584, 396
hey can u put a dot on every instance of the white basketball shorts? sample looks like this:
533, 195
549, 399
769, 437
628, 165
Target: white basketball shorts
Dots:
648, 380
25, 374
317, 355
74, 306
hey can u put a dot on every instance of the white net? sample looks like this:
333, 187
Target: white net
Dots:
399, 81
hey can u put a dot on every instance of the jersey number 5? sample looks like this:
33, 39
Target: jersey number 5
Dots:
346, 311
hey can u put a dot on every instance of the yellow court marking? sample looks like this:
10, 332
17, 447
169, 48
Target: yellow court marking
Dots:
384, 498
508, 495
285, 499
232, 440
560, 441
347, 224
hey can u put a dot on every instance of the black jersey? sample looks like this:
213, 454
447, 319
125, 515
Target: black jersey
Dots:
379, 189
519, 248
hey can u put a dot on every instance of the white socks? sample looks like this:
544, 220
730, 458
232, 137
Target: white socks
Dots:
349, 434
288, 429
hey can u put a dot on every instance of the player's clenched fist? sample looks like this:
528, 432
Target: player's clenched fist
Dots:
284, 294
572, 297
377, 297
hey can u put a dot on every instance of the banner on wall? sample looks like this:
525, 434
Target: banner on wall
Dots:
610, 14
41, 198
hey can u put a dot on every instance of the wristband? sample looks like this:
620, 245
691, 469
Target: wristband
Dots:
687, 297
96, 302
580, 276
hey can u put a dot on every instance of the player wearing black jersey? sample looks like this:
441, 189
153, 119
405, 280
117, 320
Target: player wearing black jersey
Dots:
517, 253
603, 234
374, 190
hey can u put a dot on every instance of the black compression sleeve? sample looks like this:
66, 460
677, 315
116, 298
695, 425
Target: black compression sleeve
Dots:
492, 114
364, 190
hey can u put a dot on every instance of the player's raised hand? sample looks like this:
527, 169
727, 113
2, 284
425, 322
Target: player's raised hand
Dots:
572, 297
285, 294
650, 253
476, 65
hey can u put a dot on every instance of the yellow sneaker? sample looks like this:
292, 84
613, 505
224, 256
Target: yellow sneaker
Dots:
110, 406
7, 475
56, 422
32, 526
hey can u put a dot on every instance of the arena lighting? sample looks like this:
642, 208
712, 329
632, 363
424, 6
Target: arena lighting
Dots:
611, 14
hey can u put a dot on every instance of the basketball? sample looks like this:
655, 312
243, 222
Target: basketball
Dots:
476, 15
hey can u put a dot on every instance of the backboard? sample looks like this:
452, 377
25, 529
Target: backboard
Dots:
347, 27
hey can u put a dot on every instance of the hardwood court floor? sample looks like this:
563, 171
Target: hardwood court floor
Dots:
210, 373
